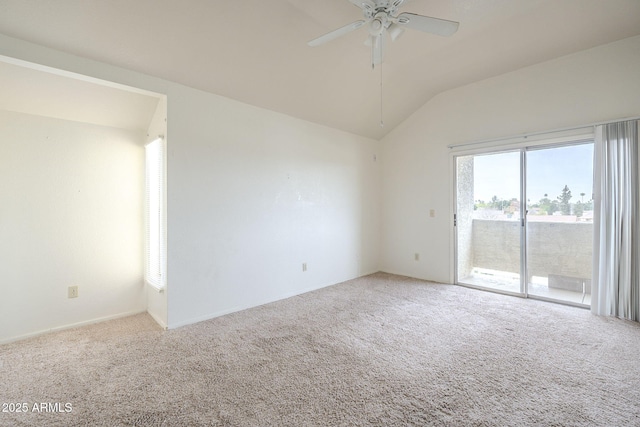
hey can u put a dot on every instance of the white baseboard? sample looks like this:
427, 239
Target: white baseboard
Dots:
158, 320
280, 297
71, 326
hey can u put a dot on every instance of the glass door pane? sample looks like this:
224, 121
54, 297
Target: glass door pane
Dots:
560, 222
488, 221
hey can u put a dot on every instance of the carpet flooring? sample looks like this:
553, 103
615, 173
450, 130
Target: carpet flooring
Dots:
380, 350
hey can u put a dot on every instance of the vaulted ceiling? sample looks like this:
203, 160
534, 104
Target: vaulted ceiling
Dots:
255, 51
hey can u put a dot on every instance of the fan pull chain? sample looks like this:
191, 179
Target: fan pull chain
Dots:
381, 121
373, 67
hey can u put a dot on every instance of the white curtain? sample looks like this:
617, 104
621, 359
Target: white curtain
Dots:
616, 274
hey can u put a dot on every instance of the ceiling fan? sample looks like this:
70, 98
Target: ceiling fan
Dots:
382, 18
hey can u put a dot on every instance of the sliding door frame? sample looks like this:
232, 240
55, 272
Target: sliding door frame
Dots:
524, 288
574, 142
488, 151
523, 146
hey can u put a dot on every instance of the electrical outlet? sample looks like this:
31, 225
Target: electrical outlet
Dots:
416, 256
304, 266
432, 213
72, 292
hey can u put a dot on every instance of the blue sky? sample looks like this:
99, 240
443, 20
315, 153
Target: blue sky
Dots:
548, 171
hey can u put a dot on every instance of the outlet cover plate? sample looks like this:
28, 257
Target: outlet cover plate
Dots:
72, 292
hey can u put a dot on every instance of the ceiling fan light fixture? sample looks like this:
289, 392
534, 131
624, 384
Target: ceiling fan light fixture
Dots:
395, 32
380, 15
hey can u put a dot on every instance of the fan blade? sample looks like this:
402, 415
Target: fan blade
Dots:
395, 4
336, 33
441, 27
364, 4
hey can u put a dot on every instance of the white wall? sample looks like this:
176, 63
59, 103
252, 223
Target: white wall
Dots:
252, 194
595, 85
70, 214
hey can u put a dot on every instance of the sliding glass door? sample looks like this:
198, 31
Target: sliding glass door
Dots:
524, 221
560, 222
488, 221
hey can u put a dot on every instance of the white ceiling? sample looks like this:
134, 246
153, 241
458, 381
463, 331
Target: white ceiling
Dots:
255, 50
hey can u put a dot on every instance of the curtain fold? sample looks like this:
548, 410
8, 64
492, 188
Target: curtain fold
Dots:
616, 274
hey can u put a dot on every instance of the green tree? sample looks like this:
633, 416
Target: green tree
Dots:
578, 209
495, 203
563, 201
546, 206
479, 204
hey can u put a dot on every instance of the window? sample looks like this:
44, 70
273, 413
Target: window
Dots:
155, 259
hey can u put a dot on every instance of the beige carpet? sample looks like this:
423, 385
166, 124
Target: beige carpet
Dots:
381, 350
